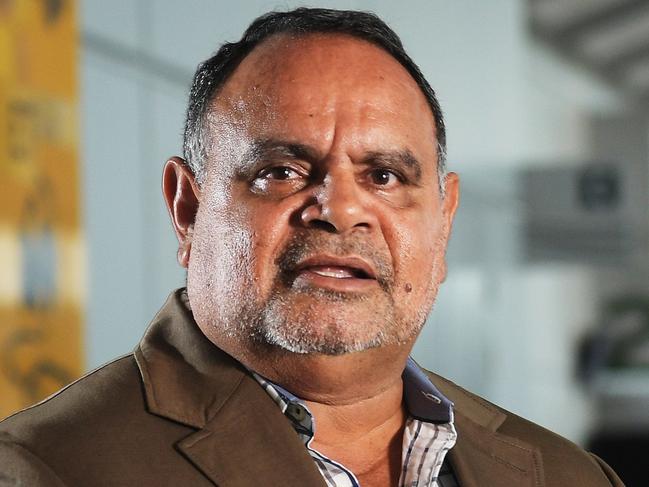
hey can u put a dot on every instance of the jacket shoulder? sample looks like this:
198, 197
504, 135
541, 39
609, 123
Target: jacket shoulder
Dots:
564, 462
96, 397
22, 467
97, 427
561, 457
43, 440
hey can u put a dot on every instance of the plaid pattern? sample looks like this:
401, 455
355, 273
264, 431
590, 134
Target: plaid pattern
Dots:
425, 447
429, 434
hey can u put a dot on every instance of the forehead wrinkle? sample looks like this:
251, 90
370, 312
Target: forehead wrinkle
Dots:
276, 77
286, 59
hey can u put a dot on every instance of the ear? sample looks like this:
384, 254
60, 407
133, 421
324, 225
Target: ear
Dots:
449, 207
451, 198
182, 195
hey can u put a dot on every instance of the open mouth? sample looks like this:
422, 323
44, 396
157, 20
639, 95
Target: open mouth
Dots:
344, 274
337, 272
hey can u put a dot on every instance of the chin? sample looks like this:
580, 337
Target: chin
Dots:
331, 328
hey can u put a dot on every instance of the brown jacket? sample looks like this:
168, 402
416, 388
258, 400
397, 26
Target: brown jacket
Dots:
178, 411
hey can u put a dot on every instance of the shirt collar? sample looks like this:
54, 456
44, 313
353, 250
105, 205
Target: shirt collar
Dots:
423, 400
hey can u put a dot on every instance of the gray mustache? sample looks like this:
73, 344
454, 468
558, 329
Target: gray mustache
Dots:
303, 246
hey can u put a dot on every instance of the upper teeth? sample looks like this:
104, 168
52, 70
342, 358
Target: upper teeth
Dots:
337, 273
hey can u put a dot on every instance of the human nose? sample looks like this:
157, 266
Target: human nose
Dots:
338, 206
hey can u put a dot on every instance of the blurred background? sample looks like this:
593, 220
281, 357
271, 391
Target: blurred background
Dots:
546, 307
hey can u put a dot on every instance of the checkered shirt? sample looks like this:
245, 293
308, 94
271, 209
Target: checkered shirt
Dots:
428, 435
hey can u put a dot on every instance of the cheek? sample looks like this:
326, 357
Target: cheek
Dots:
221, 249
413, 246
268, 227
263, 242
418, 271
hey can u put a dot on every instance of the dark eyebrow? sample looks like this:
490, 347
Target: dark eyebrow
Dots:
268, 148
403, 159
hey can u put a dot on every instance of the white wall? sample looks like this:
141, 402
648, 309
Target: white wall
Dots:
498, 327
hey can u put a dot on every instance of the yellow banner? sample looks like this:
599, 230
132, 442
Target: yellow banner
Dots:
42, 258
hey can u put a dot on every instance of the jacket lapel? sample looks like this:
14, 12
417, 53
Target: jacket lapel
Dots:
250, 443
483, 457
242, 438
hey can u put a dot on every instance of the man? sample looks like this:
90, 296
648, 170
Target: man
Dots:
312, 210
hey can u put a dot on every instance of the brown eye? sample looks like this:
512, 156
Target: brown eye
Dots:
383, 177
279, 180
281, 173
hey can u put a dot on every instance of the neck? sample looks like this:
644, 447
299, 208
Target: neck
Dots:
356, 400
360, 421
357, 404
366, 436
349, 394
341, 380
358, 390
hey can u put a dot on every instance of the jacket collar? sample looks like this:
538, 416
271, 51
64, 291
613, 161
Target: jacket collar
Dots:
482, 454
186, 378
189, 380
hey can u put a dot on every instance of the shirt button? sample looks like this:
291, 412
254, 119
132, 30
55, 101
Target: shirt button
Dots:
297, 412
432, 397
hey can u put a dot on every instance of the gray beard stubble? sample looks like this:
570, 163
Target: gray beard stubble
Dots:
272, 323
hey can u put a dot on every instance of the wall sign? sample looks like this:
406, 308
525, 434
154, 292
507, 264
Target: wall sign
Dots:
42, 253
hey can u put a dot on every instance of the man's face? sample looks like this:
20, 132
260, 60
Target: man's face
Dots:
320, 226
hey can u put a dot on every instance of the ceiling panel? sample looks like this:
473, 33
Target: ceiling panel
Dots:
637, 77
609, 37
618, 36
558, 14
